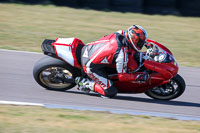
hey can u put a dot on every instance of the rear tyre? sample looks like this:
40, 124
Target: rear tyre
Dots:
171, 90
54, 74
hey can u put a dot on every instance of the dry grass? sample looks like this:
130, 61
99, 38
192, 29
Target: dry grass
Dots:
24, 27
14, 119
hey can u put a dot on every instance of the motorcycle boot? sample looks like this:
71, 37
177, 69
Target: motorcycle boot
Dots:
84, 84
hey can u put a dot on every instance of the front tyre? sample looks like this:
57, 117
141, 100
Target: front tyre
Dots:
54, 74
171, 90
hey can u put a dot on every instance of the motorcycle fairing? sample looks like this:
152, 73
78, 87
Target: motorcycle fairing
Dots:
67, 49
162, 73
65, 53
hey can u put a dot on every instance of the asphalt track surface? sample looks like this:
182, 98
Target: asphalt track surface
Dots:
17, 84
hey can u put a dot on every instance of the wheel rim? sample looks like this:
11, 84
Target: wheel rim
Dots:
166, 91
54, 77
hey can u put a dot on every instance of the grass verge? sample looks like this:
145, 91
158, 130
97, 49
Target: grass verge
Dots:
28, 119
24, 27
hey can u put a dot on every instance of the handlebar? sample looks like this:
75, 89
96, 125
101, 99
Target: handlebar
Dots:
155, 53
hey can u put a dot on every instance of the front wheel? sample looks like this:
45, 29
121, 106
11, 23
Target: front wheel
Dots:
54, 74
171, 90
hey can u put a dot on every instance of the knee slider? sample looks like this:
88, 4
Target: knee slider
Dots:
111, 91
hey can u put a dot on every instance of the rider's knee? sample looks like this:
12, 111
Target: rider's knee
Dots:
111, 92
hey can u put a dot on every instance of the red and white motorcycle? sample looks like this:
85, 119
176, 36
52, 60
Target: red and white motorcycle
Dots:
58, 70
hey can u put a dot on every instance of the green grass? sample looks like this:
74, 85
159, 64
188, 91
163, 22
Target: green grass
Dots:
24, 27
27, 119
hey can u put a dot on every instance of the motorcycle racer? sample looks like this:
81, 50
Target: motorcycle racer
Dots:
119, 49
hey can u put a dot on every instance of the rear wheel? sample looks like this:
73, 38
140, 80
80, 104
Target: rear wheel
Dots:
54, 74
168, 91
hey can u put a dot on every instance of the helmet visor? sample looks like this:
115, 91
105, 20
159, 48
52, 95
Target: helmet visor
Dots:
140, 44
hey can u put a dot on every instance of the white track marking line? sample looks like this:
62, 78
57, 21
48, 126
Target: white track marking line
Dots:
21, 103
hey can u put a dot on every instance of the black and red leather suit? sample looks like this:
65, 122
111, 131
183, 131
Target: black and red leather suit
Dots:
110, 50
